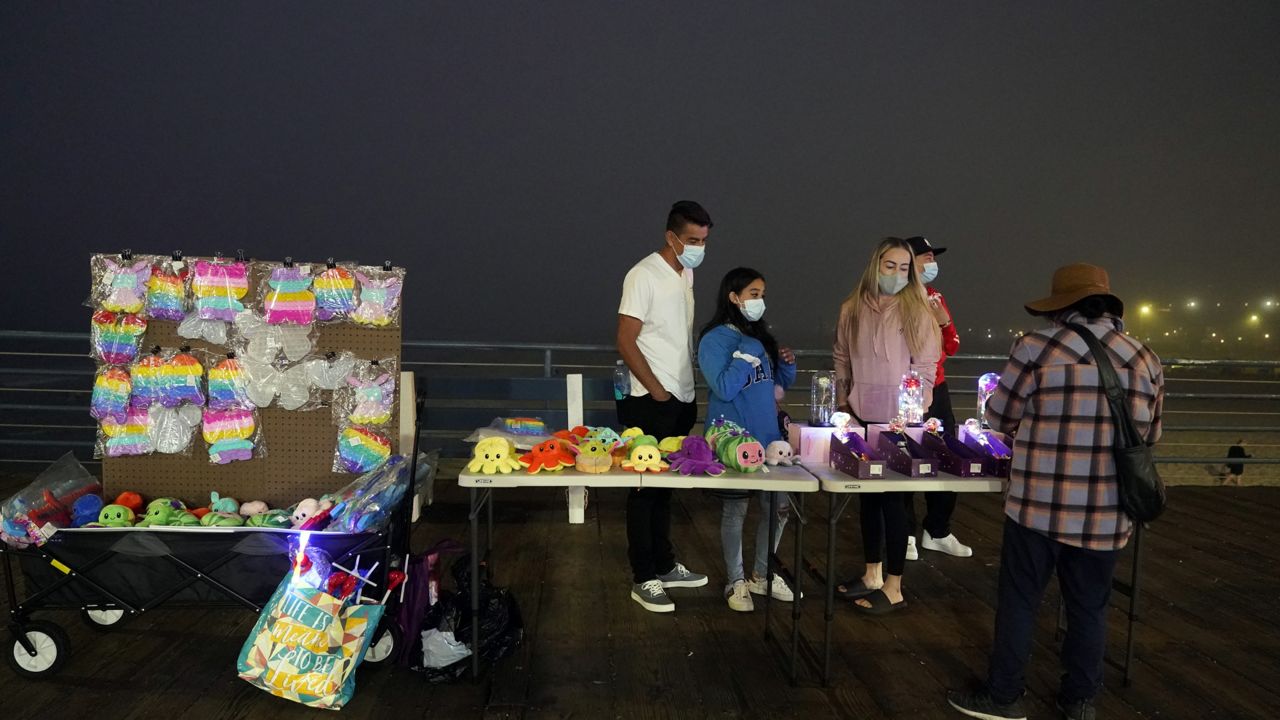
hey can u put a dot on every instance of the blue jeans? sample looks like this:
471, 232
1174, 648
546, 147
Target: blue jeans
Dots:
732, 517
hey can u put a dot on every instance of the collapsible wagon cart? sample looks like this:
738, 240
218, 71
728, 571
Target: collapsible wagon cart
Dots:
114, 575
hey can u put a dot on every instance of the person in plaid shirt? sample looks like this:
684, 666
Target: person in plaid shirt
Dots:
1062, 510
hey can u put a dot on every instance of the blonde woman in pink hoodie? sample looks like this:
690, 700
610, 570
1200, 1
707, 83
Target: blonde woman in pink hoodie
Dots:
886, 329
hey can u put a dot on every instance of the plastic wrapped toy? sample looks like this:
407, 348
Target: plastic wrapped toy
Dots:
171, 429
911, 399
231, 435
120, 282
367, 503
292, 385
116, 336
360, 450
229, 385
218, 287
987, 385
266, 342
47, 500
183, 380
373, 399
330, 372
335, 290
148, 377
111, 390
379, 299
131, 437
288, 299
167, 290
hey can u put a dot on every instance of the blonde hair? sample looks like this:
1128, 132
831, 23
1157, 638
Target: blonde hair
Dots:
913, 303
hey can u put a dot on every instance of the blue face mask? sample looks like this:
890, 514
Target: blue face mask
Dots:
692, 256
892, 284
930, 272
753, 309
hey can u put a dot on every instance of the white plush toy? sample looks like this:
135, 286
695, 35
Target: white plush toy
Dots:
779, 452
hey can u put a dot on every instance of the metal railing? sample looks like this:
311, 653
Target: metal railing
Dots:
46, 377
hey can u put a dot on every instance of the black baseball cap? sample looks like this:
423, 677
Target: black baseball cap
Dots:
920, 245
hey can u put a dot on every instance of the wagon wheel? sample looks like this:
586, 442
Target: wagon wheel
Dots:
385, 644
51, 649
102, 618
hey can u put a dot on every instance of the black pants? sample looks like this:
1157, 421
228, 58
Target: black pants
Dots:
649, 511
939, 505
884, 515
1027, 559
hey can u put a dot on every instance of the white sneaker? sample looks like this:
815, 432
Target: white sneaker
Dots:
781, 591
949, 545
738, 597
912, 553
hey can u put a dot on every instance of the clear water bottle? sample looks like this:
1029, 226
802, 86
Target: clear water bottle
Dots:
621, 381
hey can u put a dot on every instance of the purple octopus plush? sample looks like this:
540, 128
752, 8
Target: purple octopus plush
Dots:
695, 457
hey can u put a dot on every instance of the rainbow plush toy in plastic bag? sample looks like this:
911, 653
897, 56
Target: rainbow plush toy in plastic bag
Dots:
116, 336
230, 435
111, 390
288, 299
379, 301
335, 293
167, 290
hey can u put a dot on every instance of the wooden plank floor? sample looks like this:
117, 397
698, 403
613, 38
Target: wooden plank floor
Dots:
1208, 646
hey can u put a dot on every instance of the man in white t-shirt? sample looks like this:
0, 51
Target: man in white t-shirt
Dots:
655, 331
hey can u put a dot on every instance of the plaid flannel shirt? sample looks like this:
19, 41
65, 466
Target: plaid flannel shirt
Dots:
1050, 398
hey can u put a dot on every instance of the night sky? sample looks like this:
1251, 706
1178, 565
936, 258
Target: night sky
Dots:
518, 158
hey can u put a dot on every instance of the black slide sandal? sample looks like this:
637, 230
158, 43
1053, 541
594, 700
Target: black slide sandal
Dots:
880, 604
854, 589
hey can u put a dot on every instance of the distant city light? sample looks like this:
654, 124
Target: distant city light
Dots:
1213, 334
1191, 304
1145, 309
1253, 318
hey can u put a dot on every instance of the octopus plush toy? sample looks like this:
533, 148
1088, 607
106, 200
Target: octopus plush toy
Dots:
335, 294
290, 300
644, 458
116, 336
550, 456
277, 519
629, 436
167, 512
221, 519
124, 286
374, 399
114, 516
740, 452
111, 390
166, 291
595, 456
379, 300
670, 444
493, 455
780, 452
695, 457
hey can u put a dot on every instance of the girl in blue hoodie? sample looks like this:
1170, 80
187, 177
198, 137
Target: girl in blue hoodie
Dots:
746, 373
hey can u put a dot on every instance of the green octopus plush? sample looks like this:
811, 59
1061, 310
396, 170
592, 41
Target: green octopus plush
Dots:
167, 512
114, 516
222, 519
278, 519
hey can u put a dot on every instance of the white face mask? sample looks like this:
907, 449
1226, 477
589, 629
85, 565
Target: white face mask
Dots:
930, 272
753, 309
892, 284
692, 255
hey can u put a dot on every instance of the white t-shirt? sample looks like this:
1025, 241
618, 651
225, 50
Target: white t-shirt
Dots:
663, 301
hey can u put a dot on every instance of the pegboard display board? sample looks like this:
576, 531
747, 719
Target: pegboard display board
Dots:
299, 444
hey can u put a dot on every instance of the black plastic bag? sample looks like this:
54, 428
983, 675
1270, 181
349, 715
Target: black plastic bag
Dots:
501, 626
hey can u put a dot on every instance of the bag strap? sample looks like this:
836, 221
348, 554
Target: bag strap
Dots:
1126, 431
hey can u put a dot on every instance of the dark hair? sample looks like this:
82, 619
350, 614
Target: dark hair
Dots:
687, 212
735, 281
1092, 307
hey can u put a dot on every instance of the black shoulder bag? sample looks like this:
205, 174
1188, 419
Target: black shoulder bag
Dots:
1142, 494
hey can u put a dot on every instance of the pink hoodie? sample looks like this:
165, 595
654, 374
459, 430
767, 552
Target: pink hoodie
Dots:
875, 361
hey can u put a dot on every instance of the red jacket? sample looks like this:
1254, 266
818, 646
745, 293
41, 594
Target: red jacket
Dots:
950, 337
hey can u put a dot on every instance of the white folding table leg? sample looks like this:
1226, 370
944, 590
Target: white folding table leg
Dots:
577, 496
